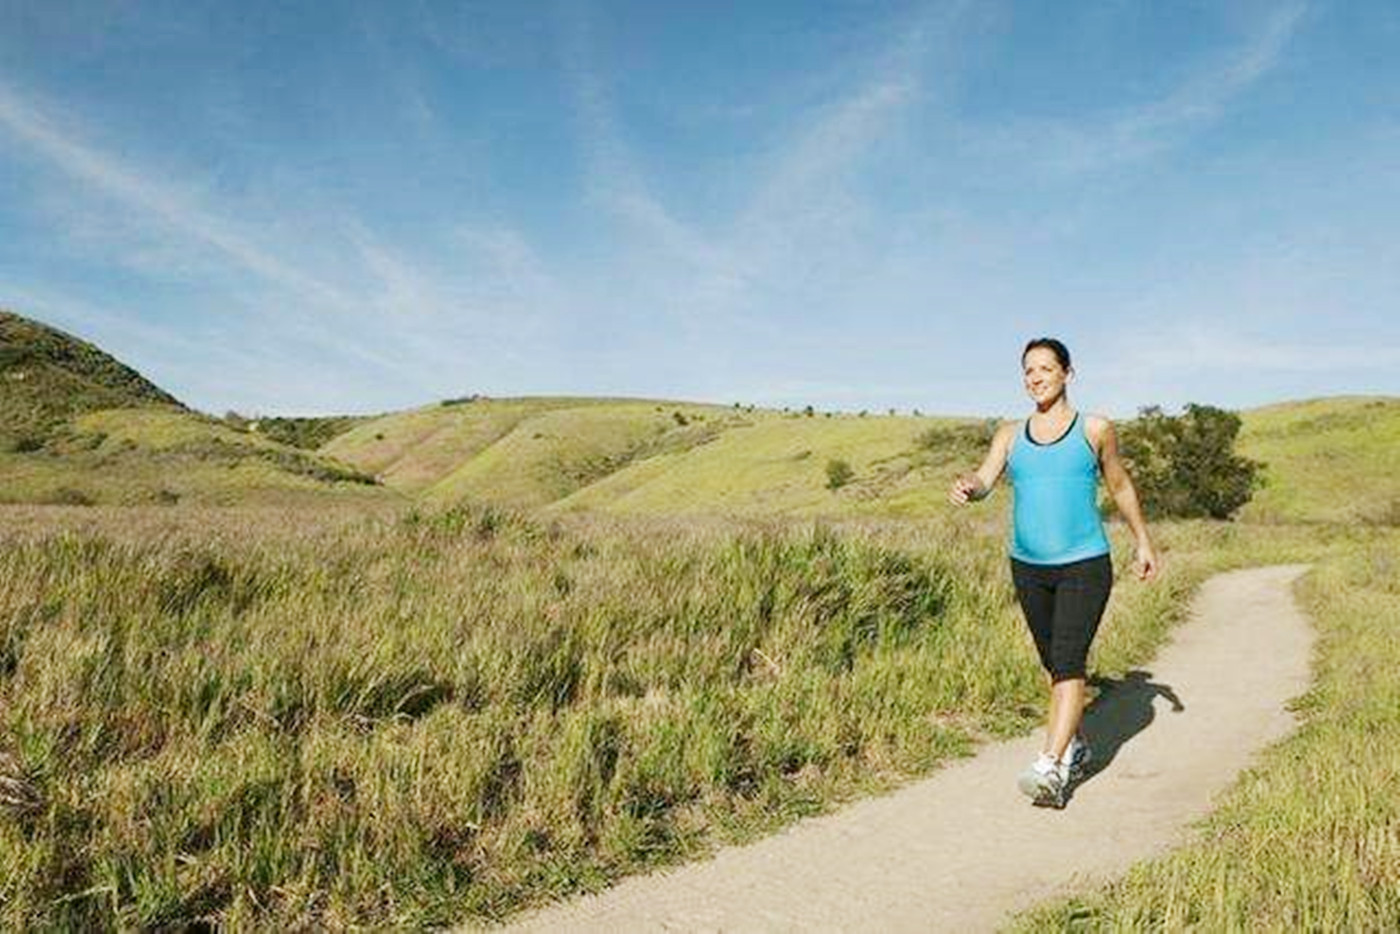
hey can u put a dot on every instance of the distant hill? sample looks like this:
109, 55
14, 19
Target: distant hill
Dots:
522, 452
47, 376
79, 427
161, 455
771, 463
76, 425
1326, 460
659, 457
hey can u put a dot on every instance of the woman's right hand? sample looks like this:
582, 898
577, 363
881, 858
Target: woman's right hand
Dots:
965, 489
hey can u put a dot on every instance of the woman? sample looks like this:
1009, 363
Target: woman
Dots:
1060, 561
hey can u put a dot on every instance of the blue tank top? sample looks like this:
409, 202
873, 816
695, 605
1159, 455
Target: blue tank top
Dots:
1055, 519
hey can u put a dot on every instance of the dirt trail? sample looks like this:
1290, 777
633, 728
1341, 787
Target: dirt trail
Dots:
962, 850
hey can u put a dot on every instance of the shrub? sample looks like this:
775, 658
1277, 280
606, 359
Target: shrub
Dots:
307, 433
67, 496
945, 444
838, 473
1185, 466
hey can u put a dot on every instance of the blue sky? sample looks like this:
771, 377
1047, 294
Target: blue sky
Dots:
353, 207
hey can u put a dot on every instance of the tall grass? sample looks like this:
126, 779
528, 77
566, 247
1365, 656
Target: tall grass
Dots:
416, 720
1310, 838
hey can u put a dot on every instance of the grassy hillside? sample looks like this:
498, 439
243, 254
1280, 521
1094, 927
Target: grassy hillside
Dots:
410, 451
1328, 460
521, 452
659, 458
550, 455
165, 456
62, 439
778, 465
79, 427
47, 376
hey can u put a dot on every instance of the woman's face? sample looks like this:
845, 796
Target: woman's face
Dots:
1045, 378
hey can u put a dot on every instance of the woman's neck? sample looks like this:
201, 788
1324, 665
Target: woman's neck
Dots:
1056, 408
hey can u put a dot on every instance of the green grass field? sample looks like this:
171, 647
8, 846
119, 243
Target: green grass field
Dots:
422, 719
653, 458
526, 451
333, 720
550, 455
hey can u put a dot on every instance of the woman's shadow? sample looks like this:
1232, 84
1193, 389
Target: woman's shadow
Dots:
1122, 709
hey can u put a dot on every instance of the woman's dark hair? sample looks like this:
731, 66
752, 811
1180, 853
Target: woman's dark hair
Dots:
1060, 351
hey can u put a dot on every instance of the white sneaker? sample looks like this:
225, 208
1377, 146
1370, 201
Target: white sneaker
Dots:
1046, 783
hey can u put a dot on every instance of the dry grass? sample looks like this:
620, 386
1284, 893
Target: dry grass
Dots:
413, 720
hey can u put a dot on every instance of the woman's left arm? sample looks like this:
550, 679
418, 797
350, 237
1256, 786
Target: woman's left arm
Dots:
1120, 486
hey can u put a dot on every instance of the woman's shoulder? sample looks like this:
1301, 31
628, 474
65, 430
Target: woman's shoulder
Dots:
1096, 428
1006, 430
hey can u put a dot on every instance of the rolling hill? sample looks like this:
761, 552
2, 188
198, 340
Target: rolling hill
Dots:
77, 425
1326, 460
658, 457
47, 376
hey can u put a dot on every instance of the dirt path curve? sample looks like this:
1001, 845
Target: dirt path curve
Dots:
962, 850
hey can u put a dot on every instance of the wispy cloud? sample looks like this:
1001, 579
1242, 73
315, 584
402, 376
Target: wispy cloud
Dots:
30, 124
614, 178
1142, 131
804, 197
162, 225
800, 205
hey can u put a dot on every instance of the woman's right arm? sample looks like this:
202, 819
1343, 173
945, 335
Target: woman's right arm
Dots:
978, 484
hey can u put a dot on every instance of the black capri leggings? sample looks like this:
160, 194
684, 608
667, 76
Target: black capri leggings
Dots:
1063, 604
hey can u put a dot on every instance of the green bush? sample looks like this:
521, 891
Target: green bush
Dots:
1185, 466
307, 433
67, 496
941, 444
838, 474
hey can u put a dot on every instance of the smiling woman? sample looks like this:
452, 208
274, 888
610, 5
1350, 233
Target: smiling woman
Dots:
1060, 556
